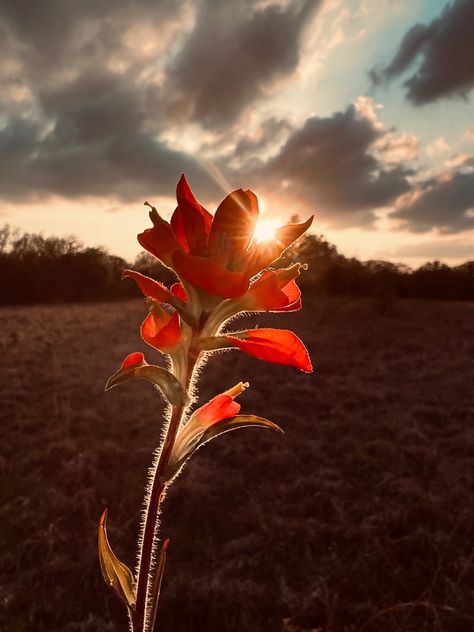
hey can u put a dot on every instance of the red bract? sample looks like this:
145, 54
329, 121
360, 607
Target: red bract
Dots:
162, 330
150, 288
275, 290
133, 359
220, 407
279, 346
216, 254
217, 410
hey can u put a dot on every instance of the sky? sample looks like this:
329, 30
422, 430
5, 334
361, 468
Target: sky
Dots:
360, 111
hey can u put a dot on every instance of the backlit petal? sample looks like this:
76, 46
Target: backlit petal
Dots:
275, 290
262, 254
191, 222
133, 359
160, 240
265, 294
274, 345
150, 287
161, 330
220, 407
234, 223
210, 276
177, 289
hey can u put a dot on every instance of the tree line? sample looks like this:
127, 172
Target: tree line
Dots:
37, 269
331, 273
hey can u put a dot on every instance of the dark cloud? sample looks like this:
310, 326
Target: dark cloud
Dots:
56, 31
445, 203
271, 132
86, 103
126, 166
445, 50
93, 140
233, 56
329, 165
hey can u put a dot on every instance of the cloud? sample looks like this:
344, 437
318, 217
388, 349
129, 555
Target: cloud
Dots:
445, 203
330, 164
124, 166
93, 138
445, 52
50, 35
235, 55
396, 148
80, 116
437, 147
469, 134
271, 131
90, 91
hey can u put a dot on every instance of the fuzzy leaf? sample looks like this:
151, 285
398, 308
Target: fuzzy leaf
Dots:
233, 423
161, 378
116, 574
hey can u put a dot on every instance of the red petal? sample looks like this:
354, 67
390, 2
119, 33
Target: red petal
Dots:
234, 222
177, 289
272, 291
262, 254
219, 408
177, 224
161, 330
191, 222
265, 294
204, 273
274, 345
133, 359
292, 291
149, 286
160, 240
292, 307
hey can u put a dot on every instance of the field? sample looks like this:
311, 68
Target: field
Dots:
359, 519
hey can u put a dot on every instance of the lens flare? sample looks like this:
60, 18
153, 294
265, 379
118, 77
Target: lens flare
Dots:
265, 229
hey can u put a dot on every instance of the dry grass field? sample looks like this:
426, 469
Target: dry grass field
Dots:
359, 519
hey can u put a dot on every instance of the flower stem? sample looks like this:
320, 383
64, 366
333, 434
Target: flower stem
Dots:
157, 492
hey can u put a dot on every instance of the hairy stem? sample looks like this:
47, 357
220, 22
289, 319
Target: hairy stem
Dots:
158, 489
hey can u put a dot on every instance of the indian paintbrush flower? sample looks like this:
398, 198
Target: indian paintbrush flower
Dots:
223, 271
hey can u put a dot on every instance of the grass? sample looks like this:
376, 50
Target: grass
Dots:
359, 519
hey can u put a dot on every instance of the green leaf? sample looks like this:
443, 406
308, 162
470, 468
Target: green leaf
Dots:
217, 429
169, 385
116, 574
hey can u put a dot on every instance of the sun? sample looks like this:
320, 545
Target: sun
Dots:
265, 229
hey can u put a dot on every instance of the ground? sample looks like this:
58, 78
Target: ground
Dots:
358, 519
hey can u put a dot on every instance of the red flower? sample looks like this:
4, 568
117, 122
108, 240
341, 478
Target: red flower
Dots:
217, 409
162, 330
220, 407
215, 254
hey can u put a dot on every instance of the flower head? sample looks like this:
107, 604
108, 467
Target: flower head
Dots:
223, 271
217, 255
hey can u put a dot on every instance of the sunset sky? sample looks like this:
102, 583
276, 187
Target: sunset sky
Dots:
359, 110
